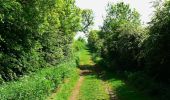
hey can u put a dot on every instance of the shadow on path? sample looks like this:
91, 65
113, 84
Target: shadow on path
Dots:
89, 70
120, 87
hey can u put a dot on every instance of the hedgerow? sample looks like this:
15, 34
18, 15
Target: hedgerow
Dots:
37, 33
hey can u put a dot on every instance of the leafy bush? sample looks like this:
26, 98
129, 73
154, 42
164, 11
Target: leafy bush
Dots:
148, 85
120, 38
143, 53
157, 47
36, 33
79, 44
94, 41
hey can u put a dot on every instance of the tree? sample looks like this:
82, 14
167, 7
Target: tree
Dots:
157, 48
122, 35
36, 34
87, 20
94, 41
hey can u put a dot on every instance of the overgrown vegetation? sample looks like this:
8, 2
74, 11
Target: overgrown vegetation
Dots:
139, 54
122, 89
37, 50
39, 85
66, 89
79, 44
37, 34
36, 45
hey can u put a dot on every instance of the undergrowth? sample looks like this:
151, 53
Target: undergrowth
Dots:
39, 85
121, 86
65, 89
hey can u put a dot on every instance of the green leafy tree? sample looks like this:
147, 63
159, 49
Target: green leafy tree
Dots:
94, 41
87, 20
36, 34
157, 48
122, 35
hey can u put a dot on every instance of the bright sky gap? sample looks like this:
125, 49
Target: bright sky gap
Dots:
144, 7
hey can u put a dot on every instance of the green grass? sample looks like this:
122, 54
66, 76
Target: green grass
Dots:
66, 88
84, 57
126, 92
38, 85
93, 89
120, 87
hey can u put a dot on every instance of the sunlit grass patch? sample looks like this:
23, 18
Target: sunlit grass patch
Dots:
93, 89
84, 57
124, 91
66, 88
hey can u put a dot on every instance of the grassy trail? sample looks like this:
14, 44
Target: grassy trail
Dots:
92, 87
76, 89
96, 83
88, 86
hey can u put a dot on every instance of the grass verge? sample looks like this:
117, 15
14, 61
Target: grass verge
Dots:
66, 88
121, 87
124, 91
39, 85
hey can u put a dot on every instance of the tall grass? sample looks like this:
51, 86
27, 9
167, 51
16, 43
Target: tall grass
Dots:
65, 89
38, 85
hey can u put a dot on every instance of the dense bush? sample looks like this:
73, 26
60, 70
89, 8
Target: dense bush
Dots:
141, 55
157, 47
94, 41
39, 85
119, 40
37, 33
124, 43
79, 44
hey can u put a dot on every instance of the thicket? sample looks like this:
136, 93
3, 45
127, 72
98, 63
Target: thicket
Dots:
40, 84
79, 44
157, 45
142, 55
37, 34
119, 40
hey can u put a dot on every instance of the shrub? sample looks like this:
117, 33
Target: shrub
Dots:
79, 45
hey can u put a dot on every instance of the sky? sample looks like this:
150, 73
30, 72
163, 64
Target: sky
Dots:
144, 7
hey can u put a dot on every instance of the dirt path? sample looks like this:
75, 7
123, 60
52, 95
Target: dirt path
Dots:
95, 83
87, 69
76, 89
75, 93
